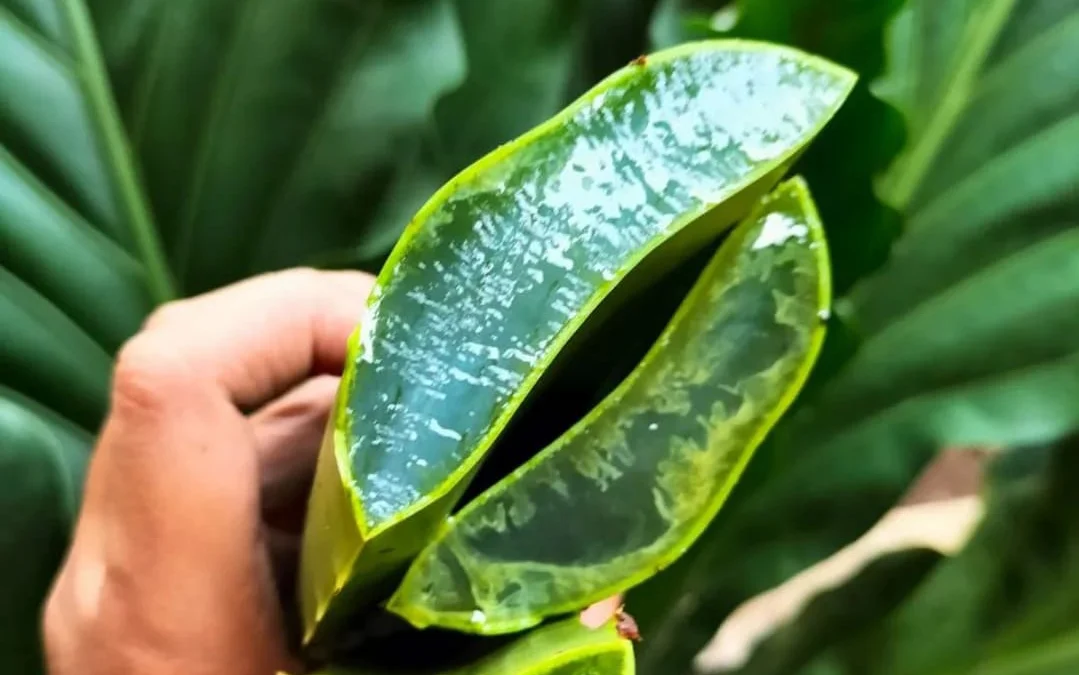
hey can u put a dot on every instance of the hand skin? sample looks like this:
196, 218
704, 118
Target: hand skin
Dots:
191, 497
169, 570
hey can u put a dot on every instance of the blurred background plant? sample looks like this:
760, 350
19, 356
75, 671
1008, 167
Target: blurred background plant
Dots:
155, 149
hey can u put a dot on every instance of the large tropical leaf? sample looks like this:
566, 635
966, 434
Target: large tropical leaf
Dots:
59, 123
843, 615
1007, 604
268, 132
42, 459
969, 329
364, 110
522, 59
80, 266
628, 489
79, 260
510, 258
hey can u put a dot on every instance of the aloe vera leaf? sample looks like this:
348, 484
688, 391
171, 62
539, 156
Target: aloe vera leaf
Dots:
563, 648
627, 490
507, 261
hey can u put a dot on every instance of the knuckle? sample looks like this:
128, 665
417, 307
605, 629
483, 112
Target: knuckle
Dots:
52, 618
166, 314
306, 279
79, 639
60, 629
148, 374
302, 272
306, 287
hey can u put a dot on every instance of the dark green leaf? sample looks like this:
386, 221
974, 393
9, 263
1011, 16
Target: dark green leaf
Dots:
42, 460
677, 21
1006, 605
59, 120
268, 130
88, 277
521, 58
968, 329
48, 358
987, 172
844, 614
360, 178
616, 33
79, 262
273, 126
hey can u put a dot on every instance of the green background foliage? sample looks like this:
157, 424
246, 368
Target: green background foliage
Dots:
953, 342
155, 149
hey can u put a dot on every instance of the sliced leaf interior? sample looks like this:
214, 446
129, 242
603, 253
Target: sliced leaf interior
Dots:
797, 503
631, 486
507, 261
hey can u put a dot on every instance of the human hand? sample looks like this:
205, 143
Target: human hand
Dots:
169, 570
190, 493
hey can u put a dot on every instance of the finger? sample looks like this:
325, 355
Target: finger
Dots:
167, 563
168, 552
175, 456
262, 336
288, 434
599, 613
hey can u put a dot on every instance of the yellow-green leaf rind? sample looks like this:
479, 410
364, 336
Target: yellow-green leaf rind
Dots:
563, 648
507, 261
629, 488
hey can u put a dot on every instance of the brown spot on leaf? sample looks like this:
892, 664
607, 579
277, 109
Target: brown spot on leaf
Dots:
626, 625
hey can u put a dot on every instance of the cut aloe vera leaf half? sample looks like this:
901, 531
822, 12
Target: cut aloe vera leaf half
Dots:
626, 490
504, 265
563, 648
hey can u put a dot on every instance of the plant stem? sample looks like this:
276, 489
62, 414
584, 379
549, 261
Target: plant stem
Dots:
971, 56
144, 234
